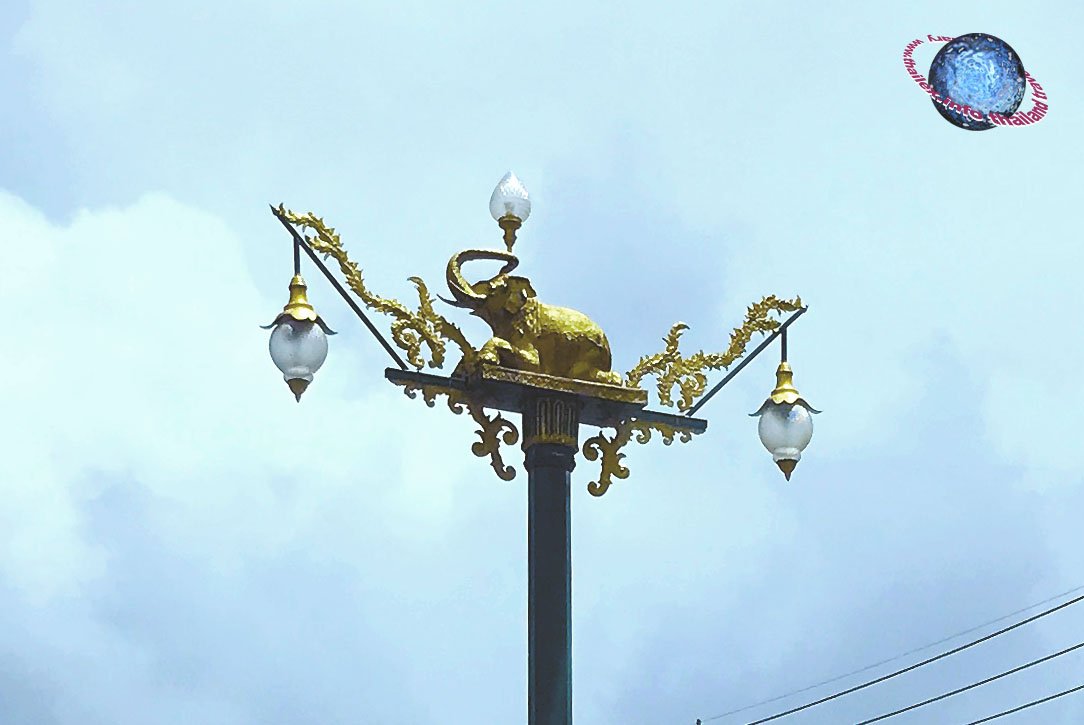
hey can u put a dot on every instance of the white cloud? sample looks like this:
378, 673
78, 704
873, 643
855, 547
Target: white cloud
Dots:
148, 391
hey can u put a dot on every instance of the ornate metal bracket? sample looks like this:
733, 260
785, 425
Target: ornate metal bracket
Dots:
621, 409
493, 430
609, 448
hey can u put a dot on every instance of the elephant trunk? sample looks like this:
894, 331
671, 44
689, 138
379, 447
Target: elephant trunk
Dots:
462, 290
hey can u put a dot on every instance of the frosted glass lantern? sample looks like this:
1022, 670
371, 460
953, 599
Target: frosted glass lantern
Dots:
298, 348
785, 430
298, 343
510, 199
786, 422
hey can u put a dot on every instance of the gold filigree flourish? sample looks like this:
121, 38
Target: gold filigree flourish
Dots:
687, 373
410, 329
610, 448
490, 445
493, 430
643, 430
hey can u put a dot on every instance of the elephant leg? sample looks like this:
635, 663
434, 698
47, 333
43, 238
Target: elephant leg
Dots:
491, 351
591, 370
608, 377
501, 352
528, 359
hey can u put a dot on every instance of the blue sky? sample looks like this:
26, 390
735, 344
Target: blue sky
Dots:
181, 542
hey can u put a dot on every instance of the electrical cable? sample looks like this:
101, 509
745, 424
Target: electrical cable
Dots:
896, 657
1033, 703
889, 676
972, 685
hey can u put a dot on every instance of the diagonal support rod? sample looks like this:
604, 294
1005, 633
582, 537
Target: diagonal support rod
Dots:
299, 242
781, 330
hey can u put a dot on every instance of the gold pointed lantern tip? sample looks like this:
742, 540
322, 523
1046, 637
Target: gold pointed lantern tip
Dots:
297, 387
786, 465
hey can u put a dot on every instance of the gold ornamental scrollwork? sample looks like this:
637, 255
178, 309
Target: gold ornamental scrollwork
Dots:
410, 329
610, 451
490, 445
430, 393
610, 448
669, 433
670, 368
494, 430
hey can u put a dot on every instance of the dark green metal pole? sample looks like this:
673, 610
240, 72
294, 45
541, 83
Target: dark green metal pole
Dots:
550, 427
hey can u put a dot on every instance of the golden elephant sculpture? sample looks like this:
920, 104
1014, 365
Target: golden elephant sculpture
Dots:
530, 335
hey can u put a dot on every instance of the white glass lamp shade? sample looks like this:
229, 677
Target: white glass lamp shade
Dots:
298, 348
510, 199
785, 430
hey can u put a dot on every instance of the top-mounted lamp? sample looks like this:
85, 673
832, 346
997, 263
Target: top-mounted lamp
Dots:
299, 341
510, 206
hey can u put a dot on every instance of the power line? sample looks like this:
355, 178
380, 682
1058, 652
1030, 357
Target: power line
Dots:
897, 657
1033, 703
889, 676
972, 685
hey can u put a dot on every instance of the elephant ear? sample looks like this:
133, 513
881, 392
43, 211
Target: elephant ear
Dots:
528, 288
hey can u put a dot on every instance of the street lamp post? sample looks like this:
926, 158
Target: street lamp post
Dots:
552, 366
550, 430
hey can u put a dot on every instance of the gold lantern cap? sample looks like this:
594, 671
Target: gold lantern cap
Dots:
785, 393
299, 307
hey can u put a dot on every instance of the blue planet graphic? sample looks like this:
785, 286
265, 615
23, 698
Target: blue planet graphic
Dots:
979, 71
